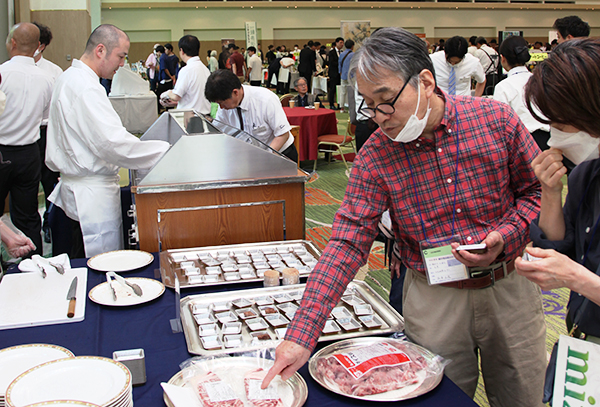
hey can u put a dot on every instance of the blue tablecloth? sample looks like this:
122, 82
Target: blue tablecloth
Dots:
107, 329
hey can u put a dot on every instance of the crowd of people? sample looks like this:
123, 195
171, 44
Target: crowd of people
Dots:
451, 168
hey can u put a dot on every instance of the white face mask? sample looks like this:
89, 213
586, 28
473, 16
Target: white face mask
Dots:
413, 127
36, 53
577, 147
2, 102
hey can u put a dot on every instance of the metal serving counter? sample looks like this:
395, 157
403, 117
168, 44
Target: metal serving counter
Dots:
215, 188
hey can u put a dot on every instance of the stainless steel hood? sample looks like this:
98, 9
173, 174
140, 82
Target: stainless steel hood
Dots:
203, 156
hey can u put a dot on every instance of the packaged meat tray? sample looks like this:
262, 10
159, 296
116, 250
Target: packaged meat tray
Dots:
377, 369
225, 381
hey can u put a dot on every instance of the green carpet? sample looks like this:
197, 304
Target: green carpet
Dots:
324, 194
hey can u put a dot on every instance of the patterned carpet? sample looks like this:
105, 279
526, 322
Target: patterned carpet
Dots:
324, 194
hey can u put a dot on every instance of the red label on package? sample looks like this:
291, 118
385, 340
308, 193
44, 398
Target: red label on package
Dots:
360, 361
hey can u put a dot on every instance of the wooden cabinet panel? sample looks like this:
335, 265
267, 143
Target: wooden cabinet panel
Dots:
258, 213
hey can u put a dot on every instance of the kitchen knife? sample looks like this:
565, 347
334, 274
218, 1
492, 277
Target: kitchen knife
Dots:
71, 297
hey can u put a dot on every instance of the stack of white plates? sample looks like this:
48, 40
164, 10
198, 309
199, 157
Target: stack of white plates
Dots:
89, 379
18, 359
63, 403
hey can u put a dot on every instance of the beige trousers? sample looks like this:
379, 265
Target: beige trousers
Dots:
503, 324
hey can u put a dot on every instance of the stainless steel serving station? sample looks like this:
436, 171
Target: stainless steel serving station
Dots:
216, 186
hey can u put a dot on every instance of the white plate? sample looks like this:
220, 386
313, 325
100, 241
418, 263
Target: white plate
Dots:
120, 260
151, 289
293, 392
92, 379
19, 359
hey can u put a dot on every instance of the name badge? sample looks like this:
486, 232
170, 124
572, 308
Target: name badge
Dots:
441, 266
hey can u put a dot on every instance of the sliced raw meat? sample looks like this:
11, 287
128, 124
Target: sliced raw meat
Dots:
257, 397
375, 378
214, 392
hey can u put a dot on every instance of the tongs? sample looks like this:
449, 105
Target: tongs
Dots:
136, 288
112, 289
40, 262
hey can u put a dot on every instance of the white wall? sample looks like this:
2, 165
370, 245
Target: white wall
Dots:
283, 23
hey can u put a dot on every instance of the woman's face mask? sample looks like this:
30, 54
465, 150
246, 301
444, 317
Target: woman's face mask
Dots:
577, 147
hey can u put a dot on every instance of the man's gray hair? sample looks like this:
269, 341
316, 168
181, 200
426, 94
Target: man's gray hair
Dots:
393, 49
107, 35
300, 79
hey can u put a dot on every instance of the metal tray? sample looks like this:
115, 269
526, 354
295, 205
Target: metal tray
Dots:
426, 384
392, 321
170, 261
295, 390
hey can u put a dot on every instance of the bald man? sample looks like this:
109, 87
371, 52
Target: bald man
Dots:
28, 91
87, 144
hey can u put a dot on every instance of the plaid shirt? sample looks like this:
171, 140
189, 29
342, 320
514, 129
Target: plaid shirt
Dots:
496, 191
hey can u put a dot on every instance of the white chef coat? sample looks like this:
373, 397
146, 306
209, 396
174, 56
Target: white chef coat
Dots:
49, 67
512, 92
190, 84
255, 63
485, 55
28, 91
87, 143
262, 114
2, 102
54, 71
466, 69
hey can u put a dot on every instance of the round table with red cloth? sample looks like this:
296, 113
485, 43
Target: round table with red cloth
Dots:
313, 123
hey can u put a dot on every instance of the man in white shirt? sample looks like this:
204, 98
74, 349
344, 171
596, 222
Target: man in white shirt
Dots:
50, 67
454, 68
87, 143
256, 111
28, 91
189, 88
49, 178
490, 61
472, 45
254, 73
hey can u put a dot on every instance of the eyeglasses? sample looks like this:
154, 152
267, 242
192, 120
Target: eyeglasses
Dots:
385, 108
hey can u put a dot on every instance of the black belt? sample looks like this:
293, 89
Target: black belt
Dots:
15, 148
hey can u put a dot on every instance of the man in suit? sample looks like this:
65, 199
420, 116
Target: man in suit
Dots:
304, 99
223, 58
334, 72
307, 65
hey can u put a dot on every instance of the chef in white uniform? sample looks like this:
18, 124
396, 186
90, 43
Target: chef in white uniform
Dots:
87, 143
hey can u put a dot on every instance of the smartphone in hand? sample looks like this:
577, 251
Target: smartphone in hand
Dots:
478, 248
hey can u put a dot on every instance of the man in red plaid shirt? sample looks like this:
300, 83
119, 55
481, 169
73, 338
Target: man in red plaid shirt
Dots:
451, 170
